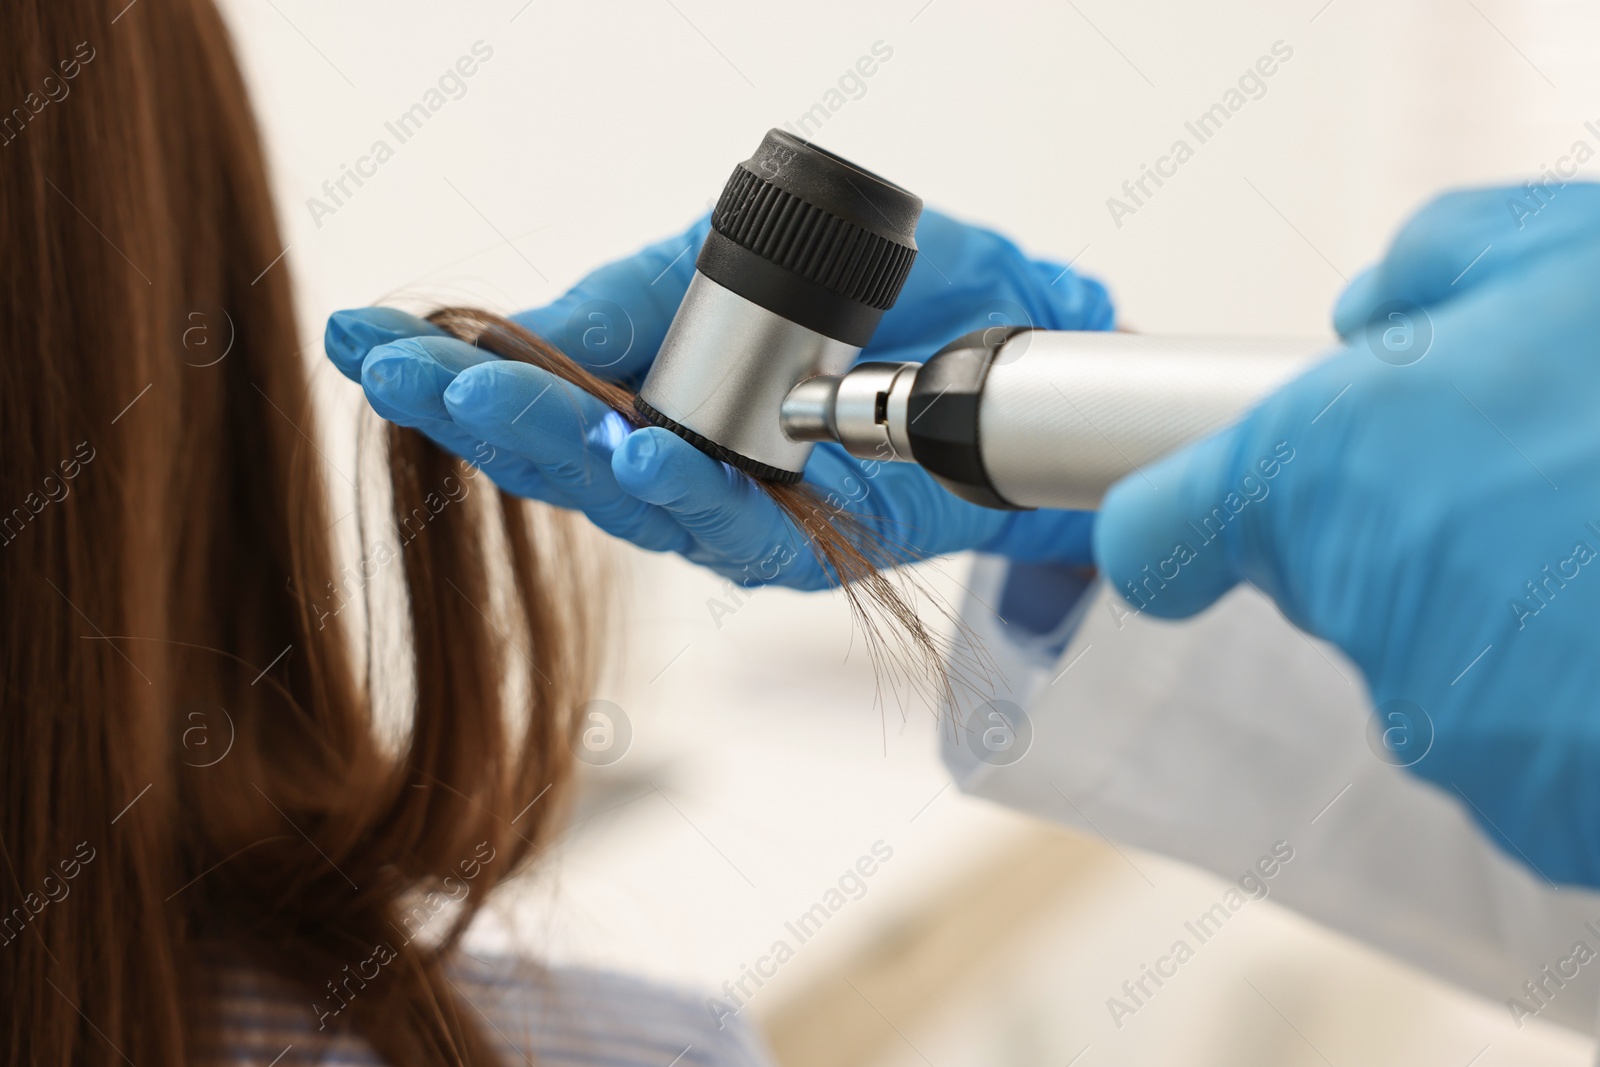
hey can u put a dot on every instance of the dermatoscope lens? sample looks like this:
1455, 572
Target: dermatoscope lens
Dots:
805, 254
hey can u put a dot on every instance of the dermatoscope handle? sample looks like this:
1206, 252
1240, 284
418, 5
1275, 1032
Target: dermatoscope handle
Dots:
1035, 418
1063, 416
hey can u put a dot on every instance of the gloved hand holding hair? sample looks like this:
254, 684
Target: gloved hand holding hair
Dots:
540, 438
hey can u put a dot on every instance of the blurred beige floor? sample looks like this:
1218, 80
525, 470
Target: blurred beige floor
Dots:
990, 973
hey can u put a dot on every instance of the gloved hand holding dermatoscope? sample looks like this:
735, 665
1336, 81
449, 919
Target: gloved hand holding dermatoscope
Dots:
805, 252
736, 341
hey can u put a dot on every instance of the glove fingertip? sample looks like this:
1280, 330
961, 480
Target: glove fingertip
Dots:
353, 333
481, 386
659, 467
638, 465
398, 376
1356, 304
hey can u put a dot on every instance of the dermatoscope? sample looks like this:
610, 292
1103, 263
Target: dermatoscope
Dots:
805, 254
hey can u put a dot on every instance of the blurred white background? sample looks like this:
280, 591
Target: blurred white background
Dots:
761, 766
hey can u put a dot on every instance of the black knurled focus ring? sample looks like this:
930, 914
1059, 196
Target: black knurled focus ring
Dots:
754, 468
815, 244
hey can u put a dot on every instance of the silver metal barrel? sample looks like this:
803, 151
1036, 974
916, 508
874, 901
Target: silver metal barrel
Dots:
1064, 415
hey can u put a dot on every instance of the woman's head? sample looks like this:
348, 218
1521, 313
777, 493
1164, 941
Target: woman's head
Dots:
193, 767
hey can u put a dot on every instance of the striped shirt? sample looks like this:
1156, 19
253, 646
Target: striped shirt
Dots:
551, 1017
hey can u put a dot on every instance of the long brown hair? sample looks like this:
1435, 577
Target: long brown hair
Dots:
195, 768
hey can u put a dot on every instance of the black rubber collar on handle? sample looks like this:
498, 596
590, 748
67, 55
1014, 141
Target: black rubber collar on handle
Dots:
942, 415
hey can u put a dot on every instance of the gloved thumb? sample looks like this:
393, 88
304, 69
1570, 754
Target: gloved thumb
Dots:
1462, 241
1167, 537
614, 320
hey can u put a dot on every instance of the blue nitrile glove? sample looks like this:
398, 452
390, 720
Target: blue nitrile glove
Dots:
538, 437
1438, 520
